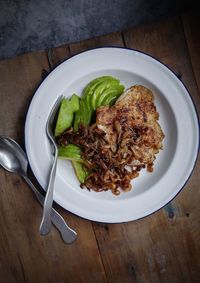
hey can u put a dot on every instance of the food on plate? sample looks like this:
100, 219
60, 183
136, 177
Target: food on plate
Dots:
80, 171
115, 133
71, 151
66, 113
100, 91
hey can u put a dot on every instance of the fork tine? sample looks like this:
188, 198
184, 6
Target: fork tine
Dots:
54, 108
51, 118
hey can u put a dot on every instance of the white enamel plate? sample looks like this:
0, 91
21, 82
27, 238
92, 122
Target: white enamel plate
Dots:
178, 119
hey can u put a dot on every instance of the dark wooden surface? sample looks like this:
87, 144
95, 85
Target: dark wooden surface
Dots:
164, 247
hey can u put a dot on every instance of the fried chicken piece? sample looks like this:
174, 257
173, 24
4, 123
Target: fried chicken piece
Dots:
133, 121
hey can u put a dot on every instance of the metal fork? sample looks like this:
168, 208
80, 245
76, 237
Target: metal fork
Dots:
46, 223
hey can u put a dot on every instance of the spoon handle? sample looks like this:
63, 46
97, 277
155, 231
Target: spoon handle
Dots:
68, 235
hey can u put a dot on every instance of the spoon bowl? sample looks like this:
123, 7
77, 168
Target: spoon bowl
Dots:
13, 159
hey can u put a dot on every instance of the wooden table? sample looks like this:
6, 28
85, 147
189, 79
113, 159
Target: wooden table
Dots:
164, 247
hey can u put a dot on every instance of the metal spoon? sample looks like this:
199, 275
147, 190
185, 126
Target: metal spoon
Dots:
13, 159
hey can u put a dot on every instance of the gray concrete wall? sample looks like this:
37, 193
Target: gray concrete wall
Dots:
28, 25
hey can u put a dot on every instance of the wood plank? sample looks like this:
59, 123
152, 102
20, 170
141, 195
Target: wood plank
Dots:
178, 240
140, 251
164, 246
19, 79
113, 39
148, 250
178, 60
191, 24
161, 248
110, 237
56, 56
94, 273
25, 256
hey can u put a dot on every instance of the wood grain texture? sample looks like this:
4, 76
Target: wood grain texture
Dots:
164, 247
191, 24
95, 272
19, 79
167, 45
110, 238
113, 39
166, 42
56, 56
25, 256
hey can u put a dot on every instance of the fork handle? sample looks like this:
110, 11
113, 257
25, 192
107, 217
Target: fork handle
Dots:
68, 235
45, 225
